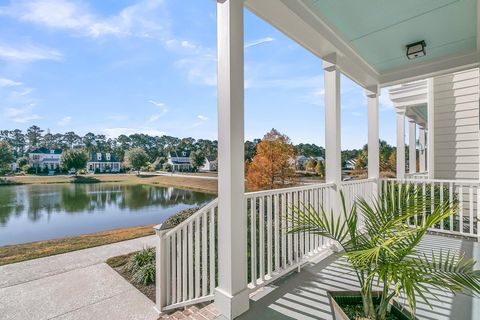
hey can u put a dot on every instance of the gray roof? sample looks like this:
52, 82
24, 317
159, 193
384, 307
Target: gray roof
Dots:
43, 150
180, 154
94, 157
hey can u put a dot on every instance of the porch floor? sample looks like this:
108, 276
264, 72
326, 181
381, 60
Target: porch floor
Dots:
304, 295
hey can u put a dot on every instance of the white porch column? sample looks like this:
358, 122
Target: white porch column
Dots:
431, 128
412, 146
373, 135
400, 144
231, 296
422, 153
333, 160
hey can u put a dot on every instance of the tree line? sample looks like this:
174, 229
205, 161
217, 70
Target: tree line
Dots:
17, 144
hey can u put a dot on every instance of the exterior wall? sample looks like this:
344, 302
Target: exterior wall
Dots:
456, 125
43, 160
102, 166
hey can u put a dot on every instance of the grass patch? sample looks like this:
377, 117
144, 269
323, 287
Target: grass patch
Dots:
203, 185
27, 251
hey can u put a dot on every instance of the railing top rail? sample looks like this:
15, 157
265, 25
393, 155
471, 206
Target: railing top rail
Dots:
200, 211
359, 181
283, 190
469, 182
416, 173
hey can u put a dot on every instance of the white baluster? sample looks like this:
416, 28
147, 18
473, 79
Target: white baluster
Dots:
213, 275
184, 263
269, 236
204, 255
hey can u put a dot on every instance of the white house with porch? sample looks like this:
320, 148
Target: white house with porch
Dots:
42, 158
425, 46
179, 160
101, 162
443, 114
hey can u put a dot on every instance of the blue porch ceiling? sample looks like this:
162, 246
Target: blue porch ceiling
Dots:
379, 30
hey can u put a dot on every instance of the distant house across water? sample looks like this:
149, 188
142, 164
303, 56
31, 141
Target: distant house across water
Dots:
179, 160
209, 164
42, 158
103, 162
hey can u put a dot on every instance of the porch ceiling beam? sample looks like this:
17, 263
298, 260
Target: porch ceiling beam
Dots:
294, 19
432, 68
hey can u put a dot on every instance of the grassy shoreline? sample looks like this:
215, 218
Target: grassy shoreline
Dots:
191, 183
33, 250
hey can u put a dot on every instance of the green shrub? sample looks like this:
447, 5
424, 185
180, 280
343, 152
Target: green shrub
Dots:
145, 275
142, 265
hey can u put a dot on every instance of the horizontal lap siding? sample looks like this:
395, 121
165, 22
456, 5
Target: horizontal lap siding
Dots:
456, 107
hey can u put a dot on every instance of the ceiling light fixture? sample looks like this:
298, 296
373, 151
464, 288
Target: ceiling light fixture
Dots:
416, 50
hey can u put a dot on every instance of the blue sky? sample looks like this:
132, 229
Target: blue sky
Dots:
123, 66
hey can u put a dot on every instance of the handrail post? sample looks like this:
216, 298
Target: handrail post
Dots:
161, 270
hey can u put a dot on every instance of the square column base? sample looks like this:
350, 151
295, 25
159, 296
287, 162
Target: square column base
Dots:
232, 306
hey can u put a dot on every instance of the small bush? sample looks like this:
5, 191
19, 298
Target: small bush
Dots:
145, 275
142, 265
140, 259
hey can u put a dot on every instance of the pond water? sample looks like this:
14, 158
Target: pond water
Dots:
40, 212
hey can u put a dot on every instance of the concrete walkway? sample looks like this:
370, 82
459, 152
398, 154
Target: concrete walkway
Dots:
75, 285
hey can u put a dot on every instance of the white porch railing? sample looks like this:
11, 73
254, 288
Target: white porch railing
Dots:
417, 175
273, 252
186, 255
186, 260
467, 193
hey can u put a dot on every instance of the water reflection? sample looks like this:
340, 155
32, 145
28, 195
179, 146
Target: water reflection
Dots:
50, 204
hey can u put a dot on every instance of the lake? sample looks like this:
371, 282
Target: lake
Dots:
40, 212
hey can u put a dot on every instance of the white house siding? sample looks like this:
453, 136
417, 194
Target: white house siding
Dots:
456, 129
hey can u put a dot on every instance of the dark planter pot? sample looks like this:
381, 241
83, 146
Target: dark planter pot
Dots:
354, 297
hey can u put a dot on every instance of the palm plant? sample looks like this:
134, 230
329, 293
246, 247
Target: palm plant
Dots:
382, 246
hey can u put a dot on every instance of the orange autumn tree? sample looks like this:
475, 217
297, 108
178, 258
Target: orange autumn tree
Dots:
272, 166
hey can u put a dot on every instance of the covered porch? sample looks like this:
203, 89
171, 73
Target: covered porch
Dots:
238, 244
303, 295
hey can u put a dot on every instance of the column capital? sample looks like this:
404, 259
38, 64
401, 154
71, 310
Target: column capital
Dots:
411, 120
330, 62
372, 91
400, 111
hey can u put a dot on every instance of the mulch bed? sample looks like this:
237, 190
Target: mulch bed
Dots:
118, 264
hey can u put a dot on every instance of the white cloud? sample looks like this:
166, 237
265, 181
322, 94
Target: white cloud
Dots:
316, 97
22, 114
64, 121
28, 53
140, 19
115, 132
200, 68
163, 110
9, 83
158, 104
202, 119
258, 42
